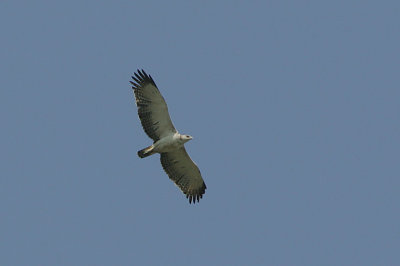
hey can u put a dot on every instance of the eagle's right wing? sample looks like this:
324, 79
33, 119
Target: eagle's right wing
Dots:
152, 108
185, 173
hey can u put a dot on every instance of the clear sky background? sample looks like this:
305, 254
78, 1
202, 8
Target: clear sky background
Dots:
294, 107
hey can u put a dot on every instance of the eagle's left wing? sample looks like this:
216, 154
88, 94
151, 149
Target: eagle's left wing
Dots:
185, 173
152, 108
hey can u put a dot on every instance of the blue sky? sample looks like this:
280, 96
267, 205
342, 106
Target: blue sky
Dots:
293, 105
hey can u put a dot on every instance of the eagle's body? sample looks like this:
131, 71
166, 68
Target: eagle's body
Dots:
168, 143
156, 122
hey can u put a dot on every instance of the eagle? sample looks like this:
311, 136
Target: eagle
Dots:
156, 122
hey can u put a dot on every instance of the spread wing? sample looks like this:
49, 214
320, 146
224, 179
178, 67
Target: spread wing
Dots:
152, 108
185, 173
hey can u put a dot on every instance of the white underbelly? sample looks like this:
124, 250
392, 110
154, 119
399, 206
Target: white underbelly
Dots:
166, 144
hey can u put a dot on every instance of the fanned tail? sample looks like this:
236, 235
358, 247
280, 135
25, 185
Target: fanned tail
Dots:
146, 152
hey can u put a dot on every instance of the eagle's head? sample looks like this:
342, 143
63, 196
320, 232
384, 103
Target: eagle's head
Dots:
185, 138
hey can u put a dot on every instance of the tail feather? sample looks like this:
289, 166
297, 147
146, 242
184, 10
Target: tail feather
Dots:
146, 152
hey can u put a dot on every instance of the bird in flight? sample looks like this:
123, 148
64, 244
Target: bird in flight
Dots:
156, 122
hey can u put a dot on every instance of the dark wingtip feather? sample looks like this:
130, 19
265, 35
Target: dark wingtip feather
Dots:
141, 78
196, 195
